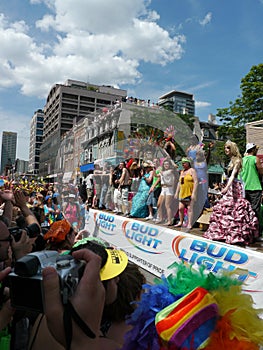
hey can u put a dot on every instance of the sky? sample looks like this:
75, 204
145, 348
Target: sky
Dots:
149, 47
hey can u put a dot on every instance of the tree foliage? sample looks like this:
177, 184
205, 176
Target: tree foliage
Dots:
247, 108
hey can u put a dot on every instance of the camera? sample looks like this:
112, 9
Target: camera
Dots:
26, 283
32, 230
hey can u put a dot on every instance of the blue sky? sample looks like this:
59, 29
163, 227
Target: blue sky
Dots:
148, 47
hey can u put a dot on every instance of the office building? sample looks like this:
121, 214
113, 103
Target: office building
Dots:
8, 153
66, 105
178, 102
36, 139
21, 167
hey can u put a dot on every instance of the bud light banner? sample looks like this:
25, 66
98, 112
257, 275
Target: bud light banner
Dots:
154, 248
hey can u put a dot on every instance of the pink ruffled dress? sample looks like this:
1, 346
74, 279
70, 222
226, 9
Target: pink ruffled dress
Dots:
233, 220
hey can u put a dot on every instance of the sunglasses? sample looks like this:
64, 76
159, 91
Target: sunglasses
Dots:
227, 147
7, 239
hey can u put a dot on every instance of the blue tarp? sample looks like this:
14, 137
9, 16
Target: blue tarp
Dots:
87, 167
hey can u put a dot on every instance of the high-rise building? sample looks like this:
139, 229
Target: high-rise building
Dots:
21, 166
66, 105
8, 153
36, 139
178, 102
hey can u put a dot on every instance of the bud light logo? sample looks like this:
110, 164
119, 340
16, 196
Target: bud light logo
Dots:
213, 256
142, 237
105, 223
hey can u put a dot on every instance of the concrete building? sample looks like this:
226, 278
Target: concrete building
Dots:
254, 131
70, 152
111, 135
36, 139
21, 167
178, 102
66, 105
8, 152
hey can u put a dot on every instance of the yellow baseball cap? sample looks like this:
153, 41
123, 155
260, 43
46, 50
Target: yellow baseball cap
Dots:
115, 264
115, 260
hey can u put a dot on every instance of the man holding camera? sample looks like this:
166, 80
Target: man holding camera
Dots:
11, 249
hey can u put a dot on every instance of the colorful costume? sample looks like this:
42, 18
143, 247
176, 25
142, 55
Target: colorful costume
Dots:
139, 202
186, 186
233, 221
191, 310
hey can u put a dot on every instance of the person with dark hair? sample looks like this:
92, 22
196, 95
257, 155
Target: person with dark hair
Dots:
90, 187
140, 207
14, 244
123, 187
115, 176
122, 282
60, 236
83, 190
49, 211
72, 211
88, 301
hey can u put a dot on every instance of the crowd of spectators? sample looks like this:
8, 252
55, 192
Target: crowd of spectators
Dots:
33, 221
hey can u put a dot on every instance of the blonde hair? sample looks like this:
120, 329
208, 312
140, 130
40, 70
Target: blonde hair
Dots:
236, 158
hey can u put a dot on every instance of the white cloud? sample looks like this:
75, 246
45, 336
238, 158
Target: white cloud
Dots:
99, 40
206, 20
202, 104
202, 85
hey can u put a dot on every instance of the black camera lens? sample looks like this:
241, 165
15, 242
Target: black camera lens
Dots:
33, 230
16, 232
27, 266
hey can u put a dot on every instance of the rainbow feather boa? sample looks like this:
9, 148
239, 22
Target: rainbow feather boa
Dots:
238, 325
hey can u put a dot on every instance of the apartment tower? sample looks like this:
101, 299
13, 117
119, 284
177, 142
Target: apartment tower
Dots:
8, 153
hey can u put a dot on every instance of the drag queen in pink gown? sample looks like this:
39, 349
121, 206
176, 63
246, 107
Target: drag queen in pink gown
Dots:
233, 221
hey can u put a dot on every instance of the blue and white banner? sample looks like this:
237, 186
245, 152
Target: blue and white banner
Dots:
154, 248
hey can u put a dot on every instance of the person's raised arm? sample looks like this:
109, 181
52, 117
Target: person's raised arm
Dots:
20, 201
7, 198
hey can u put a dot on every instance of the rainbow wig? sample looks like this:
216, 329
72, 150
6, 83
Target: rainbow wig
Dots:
191, 310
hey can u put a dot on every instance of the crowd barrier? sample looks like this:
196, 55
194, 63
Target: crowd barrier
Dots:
155, 248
